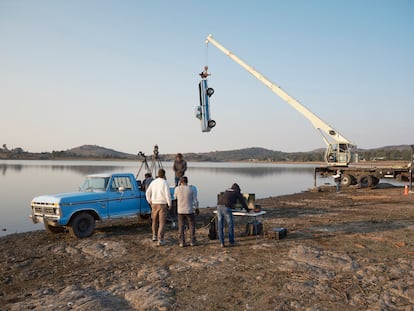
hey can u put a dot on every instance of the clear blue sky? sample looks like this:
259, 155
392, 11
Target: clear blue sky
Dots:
124, 74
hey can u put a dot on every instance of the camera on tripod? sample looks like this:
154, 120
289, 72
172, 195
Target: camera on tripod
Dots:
156, 151
155, 164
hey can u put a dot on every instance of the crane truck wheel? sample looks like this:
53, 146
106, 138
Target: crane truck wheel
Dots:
365, 181
347, 180
210, 91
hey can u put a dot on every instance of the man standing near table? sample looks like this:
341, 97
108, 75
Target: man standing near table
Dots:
225, 205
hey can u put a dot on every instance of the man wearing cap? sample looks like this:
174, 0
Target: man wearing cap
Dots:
225, 206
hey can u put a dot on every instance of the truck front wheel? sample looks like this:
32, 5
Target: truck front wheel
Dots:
82, 225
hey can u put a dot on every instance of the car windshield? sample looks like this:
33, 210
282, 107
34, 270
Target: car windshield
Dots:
95, 184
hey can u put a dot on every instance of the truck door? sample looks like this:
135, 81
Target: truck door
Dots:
122, 197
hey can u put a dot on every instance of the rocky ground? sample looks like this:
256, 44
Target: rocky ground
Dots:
348, 251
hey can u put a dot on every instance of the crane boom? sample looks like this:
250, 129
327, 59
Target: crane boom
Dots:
338, 153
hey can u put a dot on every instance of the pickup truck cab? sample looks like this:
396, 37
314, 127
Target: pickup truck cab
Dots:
101, 197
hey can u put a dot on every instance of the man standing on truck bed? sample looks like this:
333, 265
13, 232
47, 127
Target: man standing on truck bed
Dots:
180, 166
159, 197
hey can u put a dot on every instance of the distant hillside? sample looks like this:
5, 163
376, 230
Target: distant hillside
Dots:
94, 151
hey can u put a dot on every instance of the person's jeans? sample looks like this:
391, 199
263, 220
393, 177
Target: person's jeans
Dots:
338, 186
224, 212
181, 227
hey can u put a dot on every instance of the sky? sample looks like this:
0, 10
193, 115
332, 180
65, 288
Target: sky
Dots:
124, 74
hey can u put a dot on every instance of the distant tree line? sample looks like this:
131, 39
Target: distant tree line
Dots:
397, 153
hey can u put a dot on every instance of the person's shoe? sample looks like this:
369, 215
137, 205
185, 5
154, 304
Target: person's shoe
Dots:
193, 244
161, 243
222, 245
182, 245
154, 238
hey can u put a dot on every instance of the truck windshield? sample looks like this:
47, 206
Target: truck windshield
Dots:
95, 184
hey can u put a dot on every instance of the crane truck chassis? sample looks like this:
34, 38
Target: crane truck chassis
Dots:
364, 176
339, 151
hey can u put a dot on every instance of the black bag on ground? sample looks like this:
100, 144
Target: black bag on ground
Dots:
212, 229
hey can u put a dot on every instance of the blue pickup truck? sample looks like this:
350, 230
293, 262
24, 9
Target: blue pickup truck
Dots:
101, 197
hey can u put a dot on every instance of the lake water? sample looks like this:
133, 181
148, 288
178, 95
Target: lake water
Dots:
20, 181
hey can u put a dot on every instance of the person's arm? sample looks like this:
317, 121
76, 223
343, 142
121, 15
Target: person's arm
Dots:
175, 193
148, 194
195, 199
167, 194
242, 201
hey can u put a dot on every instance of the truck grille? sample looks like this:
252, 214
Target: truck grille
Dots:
45, 209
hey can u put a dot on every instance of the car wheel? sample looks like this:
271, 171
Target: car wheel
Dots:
210, 91
211, 123
82, 225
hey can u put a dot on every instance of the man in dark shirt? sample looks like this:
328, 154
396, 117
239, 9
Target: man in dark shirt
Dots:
225, 206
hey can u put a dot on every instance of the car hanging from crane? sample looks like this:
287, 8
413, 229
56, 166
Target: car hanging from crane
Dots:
202, 111
339, 149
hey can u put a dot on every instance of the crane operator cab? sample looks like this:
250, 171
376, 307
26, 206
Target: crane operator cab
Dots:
202, 111
338, 154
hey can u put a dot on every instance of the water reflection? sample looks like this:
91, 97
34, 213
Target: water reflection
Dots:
23, 180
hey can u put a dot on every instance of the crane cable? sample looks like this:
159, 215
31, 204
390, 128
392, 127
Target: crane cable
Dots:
204, 74
206, 57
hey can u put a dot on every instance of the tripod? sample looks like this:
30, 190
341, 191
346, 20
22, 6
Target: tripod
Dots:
155, 163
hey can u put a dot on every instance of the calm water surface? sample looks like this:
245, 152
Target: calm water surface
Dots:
20, 181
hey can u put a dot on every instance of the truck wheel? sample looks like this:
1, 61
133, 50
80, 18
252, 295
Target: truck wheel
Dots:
210, 91
365, 181
375, 181
211, 123
82, 225
52, 229
347, 180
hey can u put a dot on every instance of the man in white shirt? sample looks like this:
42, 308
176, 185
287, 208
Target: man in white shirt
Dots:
159, 197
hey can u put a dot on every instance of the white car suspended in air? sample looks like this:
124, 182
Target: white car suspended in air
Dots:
203, 110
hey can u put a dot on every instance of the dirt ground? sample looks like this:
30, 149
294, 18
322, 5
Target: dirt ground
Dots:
348, 251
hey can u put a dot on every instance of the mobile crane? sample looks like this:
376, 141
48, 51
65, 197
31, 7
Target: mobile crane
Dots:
340, 151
